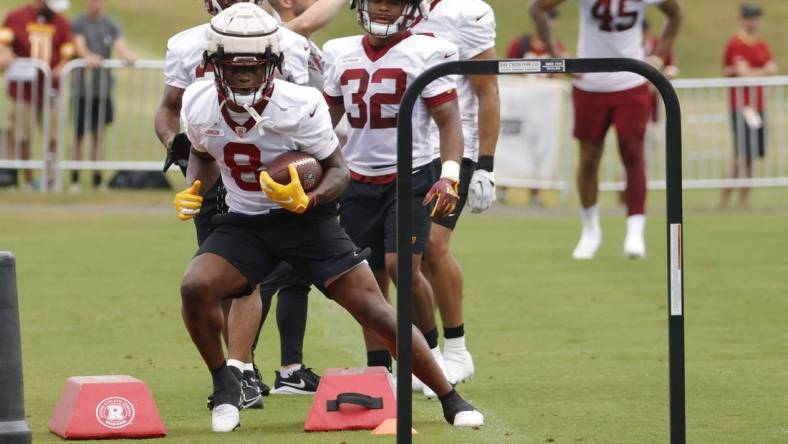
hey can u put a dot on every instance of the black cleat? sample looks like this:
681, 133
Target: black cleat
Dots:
301, 382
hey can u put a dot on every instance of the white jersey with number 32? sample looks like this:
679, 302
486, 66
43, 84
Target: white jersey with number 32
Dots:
296, 119
370, 82
611, 28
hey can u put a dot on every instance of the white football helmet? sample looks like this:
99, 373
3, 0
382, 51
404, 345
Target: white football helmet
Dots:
216, 6
243, 37
414, 11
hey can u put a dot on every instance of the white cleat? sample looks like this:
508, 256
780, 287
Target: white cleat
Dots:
436, 354
590, 239
634, 246
457, 360
225, 418
470, 418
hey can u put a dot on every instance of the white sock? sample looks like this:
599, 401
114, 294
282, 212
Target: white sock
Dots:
288, 370
248, 367
636, 224
454, 343
236, 363
590, 217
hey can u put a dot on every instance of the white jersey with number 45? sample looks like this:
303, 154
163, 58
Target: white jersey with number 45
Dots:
295, 119
370, 83
611, 28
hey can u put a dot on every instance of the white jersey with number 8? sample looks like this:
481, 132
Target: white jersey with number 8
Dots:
611, 28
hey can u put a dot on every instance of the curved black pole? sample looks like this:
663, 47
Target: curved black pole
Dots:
674, 219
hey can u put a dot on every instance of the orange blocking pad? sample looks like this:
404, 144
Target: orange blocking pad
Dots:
106, 407
352, 399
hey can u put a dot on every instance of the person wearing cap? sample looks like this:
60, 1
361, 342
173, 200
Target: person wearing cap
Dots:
747, 55
36, 31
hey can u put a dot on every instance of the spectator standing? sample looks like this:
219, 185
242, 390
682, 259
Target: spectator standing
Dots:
95, 35
36, 31
747, 55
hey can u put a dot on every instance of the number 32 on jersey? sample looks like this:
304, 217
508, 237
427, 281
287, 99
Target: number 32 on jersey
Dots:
394, 78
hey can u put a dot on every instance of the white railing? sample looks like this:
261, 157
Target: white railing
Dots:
536, 149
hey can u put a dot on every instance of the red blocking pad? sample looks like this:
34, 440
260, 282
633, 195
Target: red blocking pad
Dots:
106, 407
352, 399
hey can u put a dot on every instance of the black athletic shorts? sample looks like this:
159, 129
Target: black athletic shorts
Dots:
91, 114
314, 244
467, 167
212, 204
369, 214
753, 140
284, 277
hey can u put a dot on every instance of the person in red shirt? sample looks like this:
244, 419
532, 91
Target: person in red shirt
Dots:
36, 31
747, 55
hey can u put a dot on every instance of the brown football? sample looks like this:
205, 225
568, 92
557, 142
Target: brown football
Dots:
310, 172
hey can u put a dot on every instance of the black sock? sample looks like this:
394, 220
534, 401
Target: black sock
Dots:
448, 396
431, 337
226, 384
379, 358
75, 177
96, 179
454, 332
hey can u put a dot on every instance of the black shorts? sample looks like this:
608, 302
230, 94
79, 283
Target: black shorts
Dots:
753, 140
467, 167
369, 214
315, 245
91, 114
212, 204
284, 277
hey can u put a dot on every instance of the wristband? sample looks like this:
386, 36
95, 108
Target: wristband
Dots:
485, 163
450, 170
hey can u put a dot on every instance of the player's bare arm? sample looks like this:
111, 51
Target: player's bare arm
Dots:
486, 89
168, 121
336, 112
316, 16
538, 9
202, 167
672, 10
444, 191
336, 176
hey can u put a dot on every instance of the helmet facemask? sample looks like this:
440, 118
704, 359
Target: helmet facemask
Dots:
216, 6
412, 12
244, 79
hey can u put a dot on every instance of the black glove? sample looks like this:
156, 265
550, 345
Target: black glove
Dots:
178, 153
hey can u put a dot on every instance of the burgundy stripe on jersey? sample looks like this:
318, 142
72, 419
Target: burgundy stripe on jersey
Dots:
250, 122
373, 180
375, 53
440, 99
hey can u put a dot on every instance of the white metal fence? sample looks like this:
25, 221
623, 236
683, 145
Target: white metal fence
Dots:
536, 149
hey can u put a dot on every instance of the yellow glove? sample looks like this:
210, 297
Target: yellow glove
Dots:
291, 196
188, 202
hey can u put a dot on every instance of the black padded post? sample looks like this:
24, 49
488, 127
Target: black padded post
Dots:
13, 426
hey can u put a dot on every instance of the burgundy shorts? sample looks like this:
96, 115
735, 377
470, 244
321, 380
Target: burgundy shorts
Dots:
628, 110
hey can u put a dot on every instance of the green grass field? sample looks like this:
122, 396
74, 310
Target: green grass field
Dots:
566, 352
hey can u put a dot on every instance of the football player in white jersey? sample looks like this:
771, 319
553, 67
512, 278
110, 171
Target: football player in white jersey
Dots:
612, 28
470, 24
238, 123
365, 78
